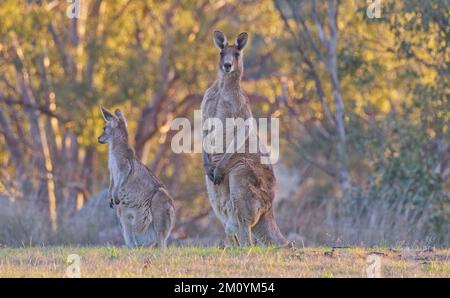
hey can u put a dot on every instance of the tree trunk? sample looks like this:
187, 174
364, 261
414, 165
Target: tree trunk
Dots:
341, 147
39, 139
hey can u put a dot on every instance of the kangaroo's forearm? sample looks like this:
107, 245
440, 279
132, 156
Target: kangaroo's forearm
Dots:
205, 158
111, 185
224, 160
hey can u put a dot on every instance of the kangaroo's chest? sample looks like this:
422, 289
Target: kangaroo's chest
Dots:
220, 107
227, 108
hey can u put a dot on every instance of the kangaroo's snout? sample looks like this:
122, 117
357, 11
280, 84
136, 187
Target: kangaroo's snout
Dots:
227, 66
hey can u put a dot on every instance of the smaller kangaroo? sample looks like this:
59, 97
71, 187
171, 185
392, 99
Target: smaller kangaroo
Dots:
143, 205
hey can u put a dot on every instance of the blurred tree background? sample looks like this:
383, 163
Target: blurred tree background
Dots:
363, 105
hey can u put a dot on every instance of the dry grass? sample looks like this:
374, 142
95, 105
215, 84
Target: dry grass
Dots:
217, 262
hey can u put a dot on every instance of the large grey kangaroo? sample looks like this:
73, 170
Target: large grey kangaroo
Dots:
240, 188
143, 205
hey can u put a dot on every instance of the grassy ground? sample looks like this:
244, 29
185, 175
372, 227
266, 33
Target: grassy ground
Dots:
217, 262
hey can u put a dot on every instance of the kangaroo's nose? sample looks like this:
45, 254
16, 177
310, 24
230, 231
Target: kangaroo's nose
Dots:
227, 66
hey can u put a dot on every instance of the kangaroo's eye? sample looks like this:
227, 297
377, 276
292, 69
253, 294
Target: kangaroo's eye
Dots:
236, 55
221, 54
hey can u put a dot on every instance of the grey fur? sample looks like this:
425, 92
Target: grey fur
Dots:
143, 205
240, 188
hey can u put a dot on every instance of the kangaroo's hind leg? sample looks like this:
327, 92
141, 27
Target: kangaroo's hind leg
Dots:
244, 210
126, 221
163, 217
231, 230
148, 237
219, 197
266, 231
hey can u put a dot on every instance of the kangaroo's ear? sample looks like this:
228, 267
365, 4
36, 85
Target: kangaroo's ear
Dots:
241, 40
220, 40
107, 115
121, 117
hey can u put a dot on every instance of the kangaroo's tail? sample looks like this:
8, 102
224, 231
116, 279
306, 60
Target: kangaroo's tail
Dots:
266, 231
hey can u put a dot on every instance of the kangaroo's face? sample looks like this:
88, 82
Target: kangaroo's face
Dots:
115, 126
230, 55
